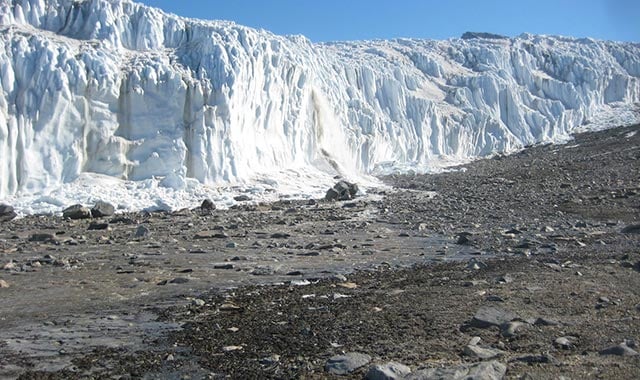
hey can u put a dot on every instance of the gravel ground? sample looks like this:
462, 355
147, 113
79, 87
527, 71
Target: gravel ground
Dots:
520, 267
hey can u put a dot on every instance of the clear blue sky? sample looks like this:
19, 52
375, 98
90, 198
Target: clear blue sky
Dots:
338, 20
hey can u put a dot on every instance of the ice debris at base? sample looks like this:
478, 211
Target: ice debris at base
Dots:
113, 100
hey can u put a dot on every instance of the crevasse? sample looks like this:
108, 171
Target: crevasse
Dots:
120, 89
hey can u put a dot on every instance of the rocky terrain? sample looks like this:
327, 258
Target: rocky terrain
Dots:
519, 267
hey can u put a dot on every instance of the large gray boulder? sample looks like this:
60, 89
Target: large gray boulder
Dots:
388, 371
76, 212
342, 191
102, 209
347, 363
492, 370
492, 316
7, 213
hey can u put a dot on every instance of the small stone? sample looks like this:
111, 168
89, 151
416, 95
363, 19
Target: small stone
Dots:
102, 209
563, 342
42, 237
197, 302
542, 321
142, 232
506, 279
478, 352
77, 212
463, 239
347, 363
210, 235
242, 198
232, 348
94, 226
223, 266
207, 205
348, 285
511, 329
3, 284
475, 341
388, 371
232, 244
494, 298
547, 229
271, 360
280, 235
619, 350
179, 280
476, 265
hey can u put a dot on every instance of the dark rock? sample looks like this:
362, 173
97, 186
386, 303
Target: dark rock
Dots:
464, 238
564, 343
506, 279
102, 209
223, 266
491, 316
546, 358
631, 229
7, 213
207, 205
388, 371
242, 198
619, 350
76, 212
179, 280
142, 231
280, 235
491, 370
42, 237
347, 363
342, 191
93, 226
485, 35
542, 321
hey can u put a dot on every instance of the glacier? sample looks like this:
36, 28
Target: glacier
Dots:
117, 101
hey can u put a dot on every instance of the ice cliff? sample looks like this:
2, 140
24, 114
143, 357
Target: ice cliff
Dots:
110, 91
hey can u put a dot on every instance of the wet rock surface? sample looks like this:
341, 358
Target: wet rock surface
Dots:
276, 290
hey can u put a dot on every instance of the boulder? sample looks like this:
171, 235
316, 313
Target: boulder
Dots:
347, 363
76, 212
7, 213
342, 191
102, 209
491, 316
207, 205
388, 371
491, 370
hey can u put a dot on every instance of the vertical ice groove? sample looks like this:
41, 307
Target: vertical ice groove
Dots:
120, 89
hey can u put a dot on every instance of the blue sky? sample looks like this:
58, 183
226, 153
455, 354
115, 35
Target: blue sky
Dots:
337, 20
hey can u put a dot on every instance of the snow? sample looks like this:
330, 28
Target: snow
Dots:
113, 100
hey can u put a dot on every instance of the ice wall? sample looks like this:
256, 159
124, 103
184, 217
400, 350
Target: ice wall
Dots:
119, 89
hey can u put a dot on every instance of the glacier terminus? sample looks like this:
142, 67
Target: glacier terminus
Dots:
113, 100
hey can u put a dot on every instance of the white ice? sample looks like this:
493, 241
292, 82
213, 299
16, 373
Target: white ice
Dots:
113, 100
